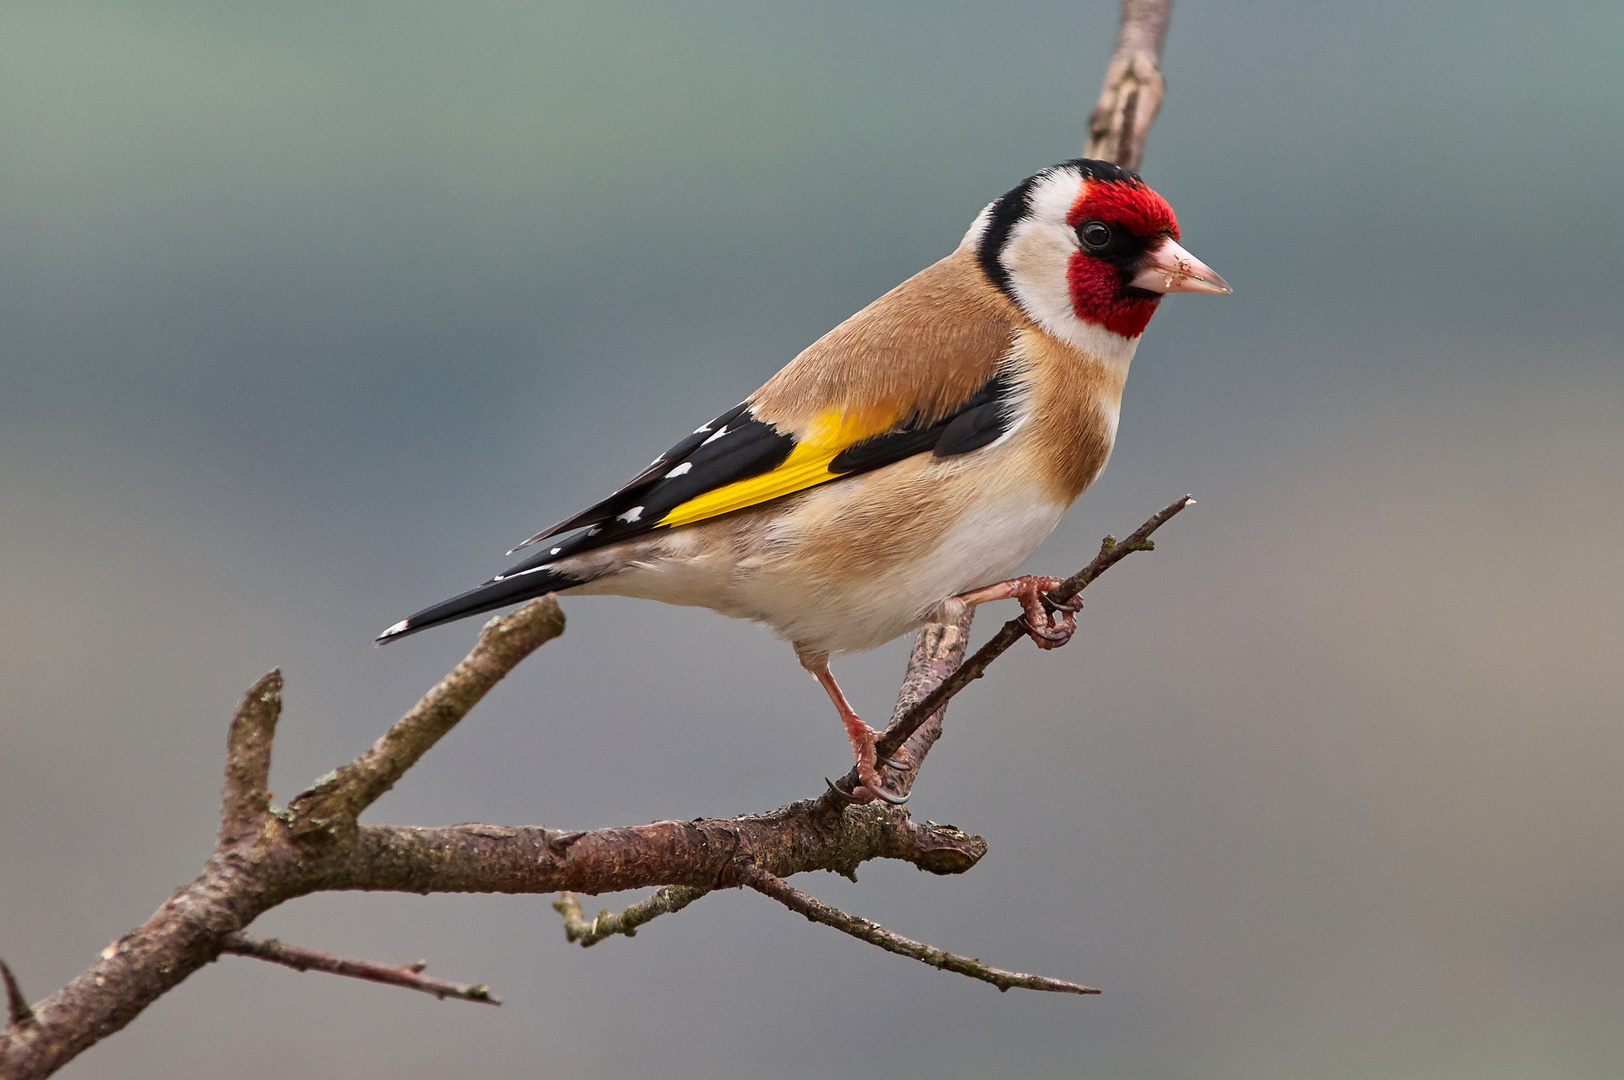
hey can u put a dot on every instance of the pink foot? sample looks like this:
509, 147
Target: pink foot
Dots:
1048, 624
862, 739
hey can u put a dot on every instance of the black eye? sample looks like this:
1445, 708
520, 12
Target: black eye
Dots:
1094, 234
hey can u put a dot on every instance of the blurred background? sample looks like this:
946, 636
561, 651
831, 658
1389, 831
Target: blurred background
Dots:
309, 311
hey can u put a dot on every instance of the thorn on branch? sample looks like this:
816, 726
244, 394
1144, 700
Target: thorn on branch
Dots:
410, 975
875, 934
664, 901
17, 1007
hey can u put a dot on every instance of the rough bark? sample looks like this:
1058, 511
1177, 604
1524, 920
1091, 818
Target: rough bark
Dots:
1132, 95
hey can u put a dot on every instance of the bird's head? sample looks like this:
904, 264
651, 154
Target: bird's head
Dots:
1086, 249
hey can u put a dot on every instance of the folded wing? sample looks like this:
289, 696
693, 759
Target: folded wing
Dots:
737, 461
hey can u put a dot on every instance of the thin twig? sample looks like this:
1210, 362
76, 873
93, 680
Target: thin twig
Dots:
875, 934
1111, 553
664, 901
17, 1007
410, 975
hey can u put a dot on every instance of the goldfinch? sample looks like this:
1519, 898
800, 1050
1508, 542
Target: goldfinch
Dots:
909, 460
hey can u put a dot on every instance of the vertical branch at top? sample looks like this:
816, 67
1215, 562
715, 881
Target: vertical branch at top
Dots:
1132, 94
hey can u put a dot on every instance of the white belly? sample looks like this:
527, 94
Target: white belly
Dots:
845, 608
987, 544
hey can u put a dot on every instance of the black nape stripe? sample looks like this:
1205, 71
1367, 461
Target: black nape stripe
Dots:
1006, 211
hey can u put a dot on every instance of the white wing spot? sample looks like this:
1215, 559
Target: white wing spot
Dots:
555, 551
719, 433
634, 514
703, 427
681, 470
397, 628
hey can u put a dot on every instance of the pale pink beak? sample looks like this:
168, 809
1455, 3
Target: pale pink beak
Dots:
1172, 269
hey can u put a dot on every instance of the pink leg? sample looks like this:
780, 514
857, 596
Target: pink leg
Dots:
861, 735
1048, 626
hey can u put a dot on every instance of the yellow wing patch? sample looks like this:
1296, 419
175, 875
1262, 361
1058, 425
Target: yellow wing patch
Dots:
807, 466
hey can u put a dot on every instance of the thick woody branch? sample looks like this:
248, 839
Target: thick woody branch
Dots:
1111, 553
1133, 89
409, 975
666, 900
339, 797
937, 653
875, 934
700, 854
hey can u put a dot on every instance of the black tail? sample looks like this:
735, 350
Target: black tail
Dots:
511, 588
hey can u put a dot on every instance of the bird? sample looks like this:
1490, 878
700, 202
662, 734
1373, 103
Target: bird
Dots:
904, 465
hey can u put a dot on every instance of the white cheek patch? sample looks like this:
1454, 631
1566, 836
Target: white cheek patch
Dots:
1038, 257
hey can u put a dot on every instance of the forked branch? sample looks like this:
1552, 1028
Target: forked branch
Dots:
264, 857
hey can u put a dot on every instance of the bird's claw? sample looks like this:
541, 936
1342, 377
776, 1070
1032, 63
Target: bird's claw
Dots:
845, 797
1049, 624
1073, 605
887, 796
864, 794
